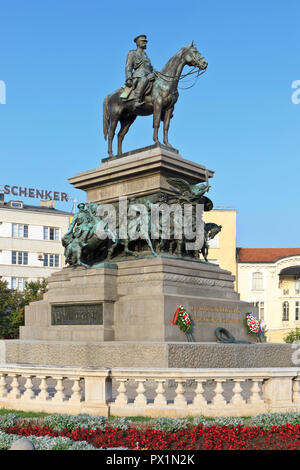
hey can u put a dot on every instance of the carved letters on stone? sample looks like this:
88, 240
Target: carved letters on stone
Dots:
77, 314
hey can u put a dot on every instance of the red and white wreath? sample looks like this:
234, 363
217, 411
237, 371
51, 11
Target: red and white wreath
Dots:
253, 323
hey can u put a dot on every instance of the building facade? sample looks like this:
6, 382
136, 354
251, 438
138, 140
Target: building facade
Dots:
270, 278
30, 241
222, 249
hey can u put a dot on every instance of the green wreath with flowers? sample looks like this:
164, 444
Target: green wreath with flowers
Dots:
184, 322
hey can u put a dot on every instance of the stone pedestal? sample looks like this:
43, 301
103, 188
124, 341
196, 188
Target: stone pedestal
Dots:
81, 291
150, 290
120, 313
138, 173
138, 299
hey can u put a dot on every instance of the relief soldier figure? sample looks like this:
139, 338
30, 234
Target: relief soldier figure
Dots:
81, 225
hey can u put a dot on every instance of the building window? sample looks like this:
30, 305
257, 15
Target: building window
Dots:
257, 281
297, 285
51, 261
19, 257
51, 233
18, 283
285, 311
297, 308
18, 204
19, 231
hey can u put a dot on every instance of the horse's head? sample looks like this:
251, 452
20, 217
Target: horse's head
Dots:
194, 58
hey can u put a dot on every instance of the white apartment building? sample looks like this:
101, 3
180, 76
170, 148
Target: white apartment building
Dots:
30, 241
270, 278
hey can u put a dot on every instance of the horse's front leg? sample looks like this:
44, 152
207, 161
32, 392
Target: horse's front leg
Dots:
111, 135
157, 109
125, 125
167, 117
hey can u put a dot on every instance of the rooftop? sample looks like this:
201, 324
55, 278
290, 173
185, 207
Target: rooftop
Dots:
265, 255
32, 208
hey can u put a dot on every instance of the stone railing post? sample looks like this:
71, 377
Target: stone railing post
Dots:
3, 389
278, 391
98, 392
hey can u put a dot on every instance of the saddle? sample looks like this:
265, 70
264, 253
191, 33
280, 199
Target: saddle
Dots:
127, 92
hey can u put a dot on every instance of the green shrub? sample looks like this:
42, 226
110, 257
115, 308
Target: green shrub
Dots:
58, 422
8, 420
169, 424
293, 336
267, 420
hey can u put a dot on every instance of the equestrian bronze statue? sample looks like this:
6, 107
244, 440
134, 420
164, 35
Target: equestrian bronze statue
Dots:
147, 92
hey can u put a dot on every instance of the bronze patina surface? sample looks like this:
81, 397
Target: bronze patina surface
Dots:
147, 91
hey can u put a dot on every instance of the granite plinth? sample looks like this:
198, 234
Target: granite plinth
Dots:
139, 173
139, 299
147, 354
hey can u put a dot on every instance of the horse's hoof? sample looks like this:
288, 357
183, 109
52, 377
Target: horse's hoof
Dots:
168, 145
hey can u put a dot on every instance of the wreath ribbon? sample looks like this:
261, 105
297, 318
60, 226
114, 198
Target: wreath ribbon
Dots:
175, 316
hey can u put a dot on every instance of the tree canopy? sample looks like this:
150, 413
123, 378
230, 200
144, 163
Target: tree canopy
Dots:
12, 306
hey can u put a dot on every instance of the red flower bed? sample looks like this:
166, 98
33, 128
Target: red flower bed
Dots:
212, 438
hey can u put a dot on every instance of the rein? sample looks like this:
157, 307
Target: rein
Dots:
174, 79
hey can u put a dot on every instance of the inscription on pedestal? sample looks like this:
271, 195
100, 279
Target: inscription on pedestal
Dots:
77, 314
204, 314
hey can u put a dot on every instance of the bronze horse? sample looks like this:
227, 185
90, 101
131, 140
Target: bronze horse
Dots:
160, 101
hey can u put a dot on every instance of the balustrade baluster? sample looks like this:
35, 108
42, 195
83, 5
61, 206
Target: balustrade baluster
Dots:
218, 399
43, 395
237, 398
140, 398
28, 394
15, 392
160, 399
199, 399
122, 398
76, 391
59, 395
180, 400
255, 396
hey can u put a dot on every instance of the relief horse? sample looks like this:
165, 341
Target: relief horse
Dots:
160, 101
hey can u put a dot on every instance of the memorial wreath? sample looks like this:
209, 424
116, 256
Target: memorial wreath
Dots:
184, 322
254, 326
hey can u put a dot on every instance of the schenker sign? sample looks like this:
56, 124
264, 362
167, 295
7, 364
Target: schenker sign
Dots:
35, 193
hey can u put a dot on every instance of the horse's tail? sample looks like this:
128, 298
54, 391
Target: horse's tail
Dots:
106, 119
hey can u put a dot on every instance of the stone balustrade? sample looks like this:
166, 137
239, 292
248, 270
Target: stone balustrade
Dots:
149, 392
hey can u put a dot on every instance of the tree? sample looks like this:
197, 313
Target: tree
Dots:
34, 290
11, 302
294, 335
12, 306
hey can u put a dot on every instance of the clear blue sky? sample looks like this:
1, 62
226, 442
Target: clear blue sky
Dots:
60, 58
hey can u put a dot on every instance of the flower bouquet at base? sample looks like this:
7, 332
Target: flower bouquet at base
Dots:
254, 327
184, 322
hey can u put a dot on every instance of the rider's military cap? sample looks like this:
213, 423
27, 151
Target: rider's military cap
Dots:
141, 36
